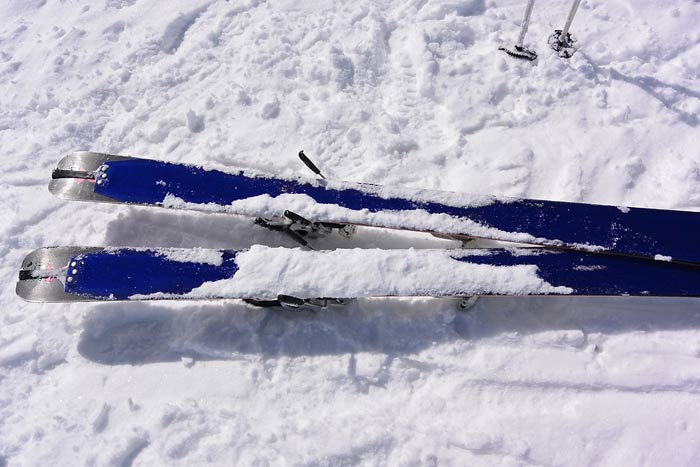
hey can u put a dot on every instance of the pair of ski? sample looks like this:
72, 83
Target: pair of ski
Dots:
575, 249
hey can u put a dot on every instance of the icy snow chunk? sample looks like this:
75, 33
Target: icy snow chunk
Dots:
589, 268
127, 103
175, 31
112, 32
344, 74
184, 255
560, 338
122, 452
194, 255
118, 4
243, 98
662, 258
270, 110
353, 135
17, 351
188, 362
100, 421
439, 9
133, 406
450, 30
195, 123
50, 359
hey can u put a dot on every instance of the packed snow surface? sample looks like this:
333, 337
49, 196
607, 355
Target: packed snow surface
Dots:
404, 93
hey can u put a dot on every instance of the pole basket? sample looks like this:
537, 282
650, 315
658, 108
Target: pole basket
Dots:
519, 52
564, 46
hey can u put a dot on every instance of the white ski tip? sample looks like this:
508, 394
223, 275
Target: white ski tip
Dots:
47, 289
63, 186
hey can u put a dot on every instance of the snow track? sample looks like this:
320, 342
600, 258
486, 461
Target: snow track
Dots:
409, 93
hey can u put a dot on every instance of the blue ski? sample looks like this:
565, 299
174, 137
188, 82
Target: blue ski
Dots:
651, 233
266, 273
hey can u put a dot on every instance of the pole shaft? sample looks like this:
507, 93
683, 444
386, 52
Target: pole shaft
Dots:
569, 20
526, 22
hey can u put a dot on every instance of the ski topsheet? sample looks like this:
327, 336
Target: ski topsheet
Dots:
264, 273
651, 233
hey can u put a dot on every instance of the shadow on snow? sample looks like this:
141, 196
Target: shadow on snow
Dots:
143, 332
139, 333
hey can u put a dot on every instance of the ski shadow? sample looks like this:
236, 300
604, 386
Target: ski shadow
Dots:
153, 227
140, 333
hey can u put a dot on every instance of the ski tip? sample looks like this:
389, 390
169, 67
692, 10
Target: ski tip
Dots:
51, 256
67, 188
87, 160
73, 177
40, 291
46, 287
32, 259
32, 289
45, 291
83, 162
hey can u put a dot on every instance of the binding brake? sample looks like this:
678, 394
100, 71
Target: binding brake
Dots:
464, 239
300, 229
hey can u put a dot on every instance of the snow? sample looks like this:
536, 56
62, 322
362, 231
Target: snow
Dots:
265, 272
199, 255
662, 258
419, 219
409, 94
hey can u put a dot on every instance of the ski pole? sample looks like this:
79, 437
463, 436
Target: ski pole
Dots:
569, 20
562, 41
518, 51
526, 22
